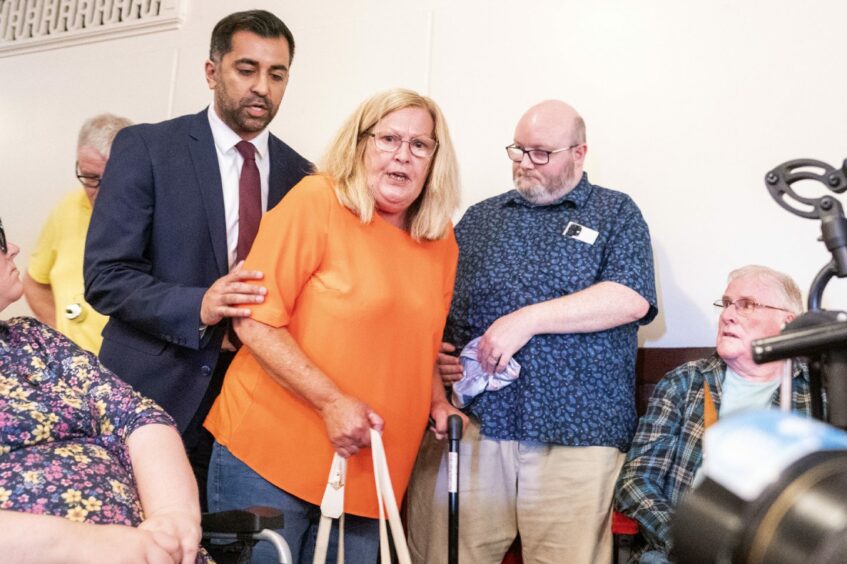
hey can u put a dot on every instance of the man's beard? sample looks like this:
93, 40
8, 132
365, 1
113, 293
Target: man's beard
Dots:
534, 193
538, 192
235, 115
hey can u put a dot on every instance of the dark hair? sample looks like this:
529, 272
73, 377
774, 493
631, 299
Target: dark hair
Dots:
260, 22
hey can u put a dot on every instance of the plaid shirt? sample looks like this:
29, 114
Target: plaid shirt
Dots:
666, 451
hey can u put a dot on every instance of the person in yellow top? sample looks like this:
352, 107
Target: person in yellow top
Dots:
358, 264
53, 282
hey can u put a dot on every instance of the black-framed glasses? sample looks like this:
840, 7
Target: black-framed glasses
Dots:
537, 156
3, 246
87, 180
387, 142
745, 306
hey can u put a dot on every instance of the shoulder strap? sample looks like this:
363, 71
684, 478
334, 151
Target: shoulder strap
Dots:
710, 414
332, 507
385, 496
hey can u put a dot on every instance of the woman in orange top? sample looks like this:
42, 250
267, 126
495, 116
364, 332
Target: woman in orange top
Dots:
358, 264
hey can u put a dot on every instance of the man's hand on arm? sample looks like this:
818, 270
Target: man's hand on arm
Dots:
228, 291
448, 364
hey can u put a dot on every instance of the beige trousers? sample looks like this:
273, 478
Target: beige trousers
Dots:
557, 498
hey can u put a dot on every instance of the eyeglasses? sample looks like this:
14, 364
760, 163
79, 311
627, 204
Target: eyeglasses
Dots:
88, 180
422, 147
745, 306
537, 156
3, 246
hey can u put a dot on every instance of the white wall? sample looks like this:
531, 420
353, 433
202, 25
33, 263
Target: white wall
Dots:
687, 106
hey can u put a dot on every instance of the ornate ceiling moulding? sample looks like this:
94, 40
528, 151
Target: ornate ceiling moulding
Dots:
27, 26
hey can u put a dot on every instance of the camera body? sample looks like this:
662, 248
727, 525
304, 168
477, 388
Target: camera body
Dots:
775, 492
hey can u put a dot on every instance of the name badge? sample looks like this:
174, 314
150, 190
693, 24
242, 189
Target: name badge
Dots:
580, 233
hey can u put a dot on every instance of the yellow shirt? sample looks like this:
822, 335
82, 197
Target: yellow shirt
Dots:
57, 261
367, 304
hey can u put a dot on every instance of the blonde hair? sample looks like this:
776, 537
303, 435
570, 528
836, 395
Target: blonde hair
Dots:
429, 216
792, 299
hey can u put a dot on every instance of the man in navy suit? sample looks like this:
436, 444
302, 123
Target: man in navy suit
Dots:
160, 257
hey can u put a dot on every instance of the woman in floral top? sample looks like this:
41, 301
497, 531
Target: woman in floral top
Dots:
90, 471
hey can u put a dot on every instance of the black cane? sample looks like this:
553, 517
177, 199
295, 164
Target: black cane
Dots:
454, 435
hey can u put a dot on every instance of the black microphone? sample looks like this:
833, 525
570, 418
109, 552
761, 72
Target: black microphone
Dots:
810, 334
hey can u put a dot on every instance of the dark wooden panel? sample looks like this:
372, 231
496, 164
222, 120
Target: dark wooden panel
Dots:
652, 364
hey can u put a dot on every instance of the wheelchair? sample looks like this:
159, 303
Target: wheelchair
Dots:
242, 529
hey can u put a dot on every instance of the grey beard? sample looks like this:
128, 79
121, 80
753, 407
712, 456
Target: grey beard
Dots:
540, 194
534, 193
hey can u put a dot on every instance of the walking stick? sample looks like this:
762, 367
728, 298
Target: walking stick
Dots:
454, 435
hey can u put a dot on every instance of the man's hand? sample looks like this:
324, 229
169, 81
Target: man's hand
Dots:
348, 423
449, 366
503, 339
228, 290
439, 411
179, 525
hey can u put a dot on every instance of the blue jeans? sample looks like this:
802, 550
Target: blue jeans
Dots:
234, 485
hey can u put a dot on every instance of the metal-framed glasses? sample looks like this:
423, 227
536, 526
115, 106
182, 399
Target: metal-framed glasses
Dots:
387, 142
745, 306
3, 246
87, 180
537, 156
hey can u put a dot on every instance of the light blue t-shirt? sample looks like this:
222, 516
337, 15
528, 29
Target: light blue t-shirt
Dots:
740, 394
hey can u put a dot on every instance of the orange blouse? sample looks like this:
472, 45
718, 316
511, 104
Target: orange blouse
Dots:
367, 304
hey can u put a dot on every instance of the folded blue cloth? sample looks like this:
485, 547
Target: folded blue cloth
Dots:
475, 380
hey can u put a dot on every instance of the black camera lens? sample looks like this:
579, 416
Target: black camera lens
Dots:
800, 519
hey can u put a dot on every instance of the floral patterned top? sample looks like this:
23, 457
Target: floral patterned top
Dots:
64, 421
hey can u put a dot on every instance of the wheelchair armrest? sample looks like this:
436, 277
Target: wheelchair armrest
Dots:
625, 537
623, 525
250, 520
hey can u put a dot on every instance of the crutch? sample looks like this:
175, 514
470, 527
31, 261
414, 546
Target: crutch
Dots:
454, 435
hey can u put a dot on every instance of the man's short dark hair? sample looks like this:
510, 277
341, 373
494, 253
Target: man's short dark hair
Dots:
260, 22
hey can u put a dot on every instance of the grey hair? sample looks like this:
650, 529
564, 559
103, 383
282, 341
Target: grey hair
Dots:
99, 131
791, 297
579, 130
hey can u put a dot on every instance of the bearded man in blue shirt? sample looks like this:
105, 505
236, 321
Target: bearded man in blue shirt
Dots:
557, 275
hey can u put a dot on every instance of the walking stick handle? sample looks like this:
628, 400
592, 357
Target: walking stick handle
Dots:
454, 435
454, 430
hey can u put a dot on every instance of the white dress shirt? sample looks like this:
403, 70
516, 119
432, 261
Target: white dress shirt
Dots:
230, 162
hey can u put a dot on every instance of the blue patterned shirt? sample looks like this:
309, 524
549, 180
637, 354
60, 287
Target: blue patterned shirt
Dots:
666, 451
574, 389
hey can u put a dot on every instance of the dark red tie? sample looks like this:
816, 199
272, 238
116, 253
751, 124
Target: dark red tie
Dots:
249, 200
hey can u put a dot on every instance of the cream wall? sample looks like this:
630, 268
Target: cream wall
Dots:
687, 106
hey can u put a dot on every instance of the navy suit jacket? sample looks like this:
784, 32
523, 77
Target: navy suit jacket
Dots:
156, 242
